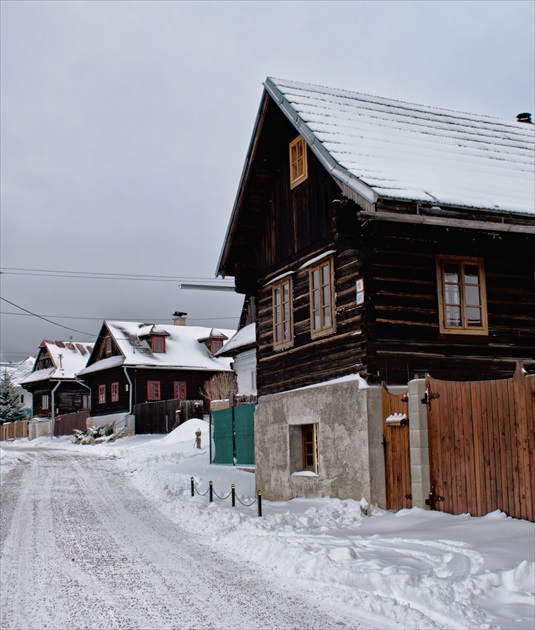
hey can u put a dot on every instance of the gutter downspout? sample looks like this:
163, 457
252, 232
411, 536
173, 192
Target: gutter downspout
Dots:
131, 394
53, 401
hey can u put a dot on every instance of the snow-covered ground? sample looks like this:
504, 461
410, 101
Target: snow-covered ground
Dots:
410, 569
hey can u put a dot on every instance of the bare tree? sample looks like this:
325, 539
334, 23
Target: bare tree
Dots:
221, 386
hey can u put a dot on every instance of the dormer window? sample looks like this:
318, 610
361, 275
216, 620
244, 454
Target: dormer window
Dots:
214, 342
298, 162
215, 345
158, 344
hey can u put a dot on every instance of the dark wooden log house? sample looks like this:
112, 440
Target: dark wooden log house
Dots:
134, 363
354, 269
374, 240
53, 382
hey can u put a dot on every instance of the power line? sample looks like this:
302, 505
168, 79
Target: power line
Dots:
45, 319
97, 275
152, 320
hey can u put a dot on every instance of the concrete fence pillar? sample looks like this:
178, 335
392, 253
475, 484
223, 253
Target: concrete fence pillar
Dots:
419, 444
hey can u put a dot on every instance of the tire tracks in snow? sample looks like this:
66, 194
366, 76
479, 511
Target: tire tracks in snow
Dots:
84, 549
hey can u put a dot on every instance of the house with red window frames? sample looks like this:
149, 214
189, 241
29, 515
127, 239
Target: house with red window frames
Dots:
136, 362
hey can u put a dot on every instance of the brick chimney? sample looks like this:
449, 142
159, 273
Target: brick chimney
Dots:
179, 318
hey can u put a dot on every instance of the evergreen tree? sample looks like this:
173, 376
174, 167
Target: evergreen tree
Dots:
10, 407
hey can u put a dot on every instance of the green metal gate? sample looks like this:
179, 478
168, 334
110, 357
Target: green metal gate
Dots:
232, 433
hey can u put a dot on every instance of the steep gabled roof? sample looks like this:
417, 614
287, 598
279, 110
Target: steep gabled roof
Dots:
381, 149
67, 357
183, 348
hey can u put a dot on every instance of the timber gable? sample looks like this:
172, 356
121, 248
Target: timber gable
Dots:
392, 317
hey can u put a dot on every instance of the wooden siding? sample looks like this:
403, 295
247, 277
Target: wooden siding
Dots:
312, 360
68, 397
402, 304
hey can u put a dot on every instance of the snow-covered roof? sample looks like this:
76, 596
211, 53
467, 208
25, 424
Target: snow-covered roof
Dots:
243, 338
18, 371
68, 358
377, 147
183, 348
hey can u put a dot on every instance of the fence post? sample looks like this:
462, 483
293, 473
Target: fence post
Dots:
193, 486
259, 503
211, 491
233, 490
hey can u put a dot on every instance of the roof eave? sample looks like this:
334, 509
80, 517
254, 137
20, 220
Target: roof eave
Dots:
351, 186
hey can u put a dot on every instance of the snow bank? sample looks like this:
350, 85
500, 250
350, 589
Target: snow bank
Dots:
410, 569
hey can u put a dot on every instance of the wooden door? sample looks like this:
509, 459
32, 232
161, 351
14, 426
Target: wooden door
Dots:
397, 453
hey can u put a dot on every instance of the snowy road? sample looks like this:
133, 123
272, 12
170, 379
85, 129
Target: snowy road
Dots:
82, 548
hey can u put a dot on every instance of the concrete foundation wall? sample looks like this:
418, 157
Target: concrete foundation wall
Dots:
349, 431
39, 428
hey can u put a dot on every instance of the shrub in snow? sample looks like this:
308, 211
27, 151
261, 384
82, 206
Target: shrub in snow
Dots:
92, 435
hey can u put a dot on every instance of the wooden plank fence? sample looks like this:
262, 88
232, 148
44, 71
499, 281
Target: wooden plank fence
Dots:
68, 422
481, 445
13, 430
162, 416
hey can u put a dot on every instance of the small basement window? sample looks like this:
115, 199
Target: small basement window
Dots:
304, 448
298, 162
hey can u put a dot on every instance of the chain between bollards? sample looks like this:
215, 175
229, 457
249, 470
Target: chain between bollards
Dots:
232, 494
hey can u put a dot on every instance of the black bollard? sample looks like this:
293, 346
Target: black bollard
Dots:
211, 491
259, 503
193, 486
233, 490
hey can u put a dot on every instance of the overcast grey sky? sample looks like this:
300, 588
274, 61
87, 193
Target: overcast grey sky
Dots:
124, 128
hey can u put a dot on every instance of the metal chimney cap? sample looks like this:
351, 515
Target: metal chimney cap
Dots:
524, 117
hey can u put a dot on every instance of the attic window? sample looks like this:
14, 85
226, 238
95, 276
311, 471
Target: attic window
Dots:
298, 162
215, 345
108, 346
158, 344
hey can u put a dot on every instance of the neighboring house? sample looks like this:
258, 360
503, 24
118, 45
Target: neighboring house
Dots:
53, 382
241, 347
18, 372
378, 240
134, 363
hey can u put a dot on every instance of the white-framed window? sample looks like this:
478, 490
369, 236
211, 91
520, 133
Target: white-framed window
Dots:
322, 319
101, 394
462, 296
45, 401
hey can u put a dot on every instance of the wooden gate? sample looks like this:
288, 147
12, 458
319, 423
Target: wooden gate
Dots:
162, 416
481, 445
397, 452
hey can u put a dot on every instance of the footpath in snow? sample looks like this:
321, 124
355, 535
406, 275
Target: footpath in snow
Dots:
410, 569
